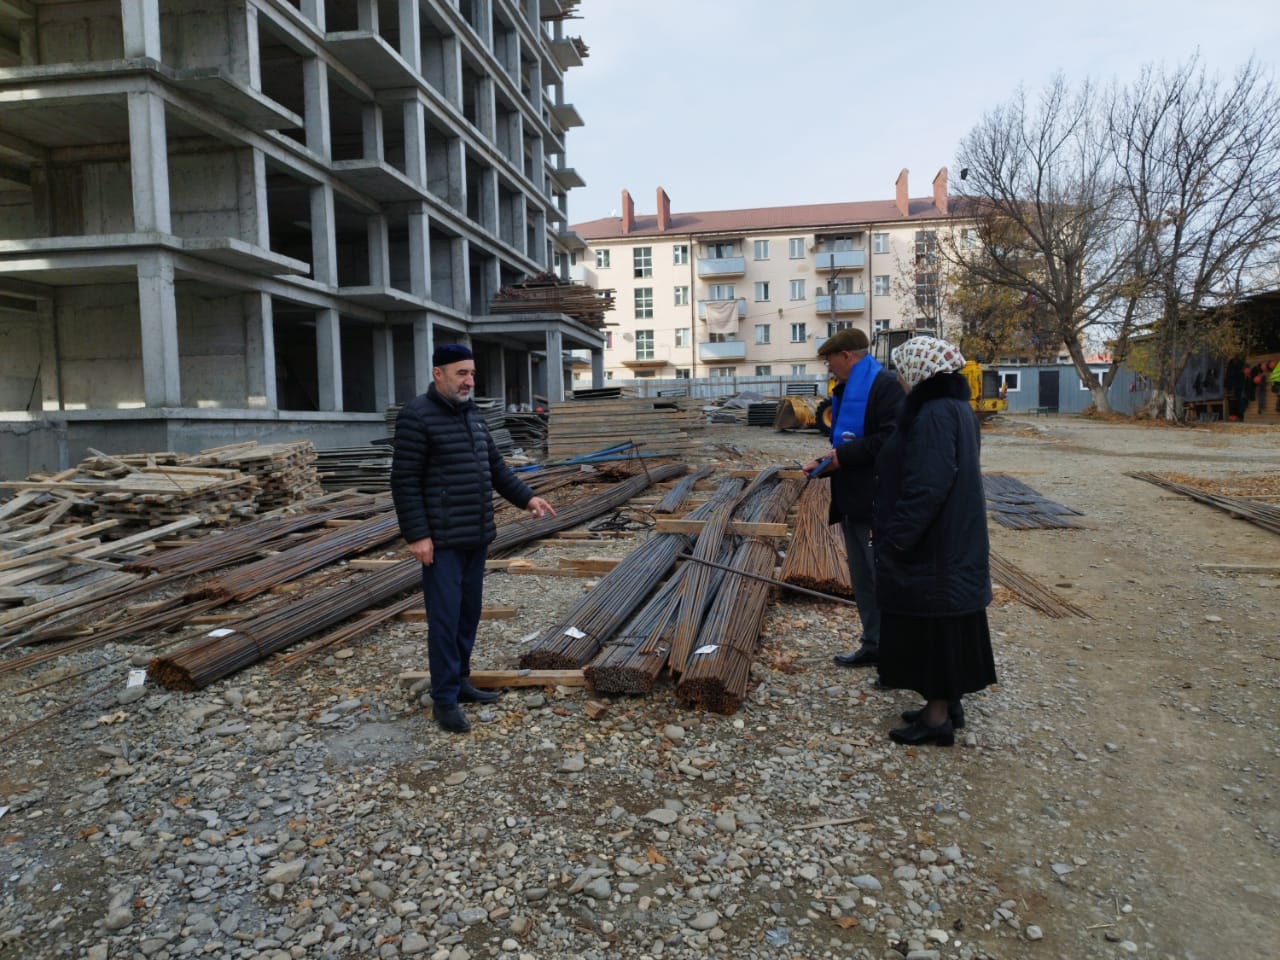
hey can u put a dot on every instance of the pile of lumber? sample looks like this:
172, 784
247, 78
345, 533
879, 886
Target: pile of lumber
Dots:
657, 427
285, 472
547, 293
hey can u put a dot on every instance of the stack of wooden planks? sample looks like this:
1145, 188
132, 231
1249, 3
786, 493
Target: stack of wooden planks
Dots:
658, 427
285, 472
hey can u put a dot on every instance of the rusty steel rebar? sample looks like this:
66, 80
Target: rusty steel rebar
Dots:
816, 556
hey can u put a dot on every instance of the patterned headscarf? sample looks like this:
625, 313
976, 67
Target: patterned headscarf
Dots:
922, 357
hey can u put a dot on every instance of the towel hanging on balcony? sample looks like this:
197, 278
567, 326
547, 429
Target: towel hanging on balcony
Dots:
722, 316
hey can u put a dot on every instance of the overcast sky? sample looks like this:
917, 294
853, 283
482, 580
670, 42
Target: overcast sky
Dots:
753, 103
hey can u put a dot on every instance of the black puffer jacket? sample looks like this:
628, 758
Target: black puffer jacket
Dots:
444, 471
853, 485
930, 524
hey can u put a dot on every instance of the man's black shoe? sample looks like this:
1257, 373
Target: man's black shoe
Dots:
862, 657
450, 717
469, 694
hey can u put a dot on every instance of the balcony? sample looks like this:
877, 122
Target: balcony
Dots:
567, 51
566, 115
839, 260
727, 350
845, 303
722, 266
702, 307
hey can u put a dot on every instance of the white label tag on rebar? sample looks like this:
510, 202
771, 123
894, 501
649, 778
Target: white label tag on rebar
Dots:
709, 648
220, 632
574, 632
137, 677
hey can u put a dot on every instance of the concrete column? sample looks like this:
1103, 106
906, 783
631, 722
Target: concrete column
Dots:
260, 352
149, 163
28, 43
379, 257
539, 251
313, 10
420, 252
411, 34
538, 158
140, 23
535, 87
460, 254
488, 187
324, 244
371, 139
555, 366
245, 61
487, 109
456, 159
451, 50
519, 233
423, 347
315, 96
367, 15
158, 317
329, 359
597, 369
415, 142
255, 227
384, 367
483, 12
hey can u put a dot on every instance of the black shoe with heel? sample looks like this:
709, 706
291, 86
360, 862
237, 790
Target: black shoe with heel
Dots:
955, 710
862, 657
469, 694
944, 734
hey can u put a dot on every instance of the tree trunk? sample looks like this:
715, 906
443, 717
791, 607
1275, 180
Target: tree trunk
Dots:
1101, 402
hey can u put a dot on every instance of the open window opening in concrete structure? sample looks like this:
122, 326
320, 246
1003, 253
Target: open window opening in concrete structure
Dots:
511, 216
438, 51
297, 380
399, 269
288, 213
443, 179
219, 346
352, 239
393, 135
353, 123
483, 276
282, 72
361, 344
22, 356
475, 173
443, 253
212, 189
402, 363
471, 79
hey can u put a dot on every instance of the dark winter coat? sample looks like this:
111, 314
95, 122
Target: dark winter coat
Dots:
853, 485
444, 471
929, 530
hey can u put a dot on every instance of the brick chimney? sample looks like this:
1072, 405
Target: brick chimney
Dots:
664, 210
940, 191
628, 212
903, 204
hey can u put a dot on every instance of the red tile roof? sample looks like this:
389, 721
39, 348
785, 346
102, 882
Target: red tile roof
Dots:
764, 218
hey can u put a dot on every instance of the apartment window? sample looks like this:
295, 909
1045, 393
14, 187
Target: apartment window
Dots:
926, 246
880, 285
798, 370
797, 289
642, 261
764, 371
645, 374
838, 243
883, 324
602, 259
682, 336
719, 251
762, 290
835, 326
682, 373
680, 254
644, 344
760, 250
798, 333
879, 243
720, 337
969, 237
762, 333
842, 285
644, 303
722, 291
682, 296
795, 248
723, 371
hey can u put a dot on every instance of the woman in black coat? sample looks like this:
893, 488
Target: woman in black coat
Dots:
933, 577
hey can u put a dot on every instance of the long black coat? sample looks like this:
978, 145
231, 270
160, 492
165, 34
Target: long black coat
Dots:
444, 471
853, 485
929, 529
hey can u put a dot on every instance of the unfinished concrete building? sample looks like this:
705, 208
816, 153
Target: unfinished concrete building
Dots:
252, 219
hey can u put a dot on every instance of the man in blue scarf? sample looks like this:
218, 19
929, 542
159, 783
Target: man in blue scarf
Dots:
864, 411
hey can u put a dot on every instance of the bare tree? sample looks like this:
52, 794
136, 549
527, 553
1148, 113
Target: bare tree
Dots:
1199, 158
1050, 213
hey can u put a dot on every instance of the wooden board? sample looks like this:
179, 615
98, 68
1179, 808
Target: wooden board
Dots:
490, 679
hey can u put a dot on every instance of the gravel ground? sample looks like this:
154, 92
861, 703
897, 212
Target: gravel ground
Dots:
1114, 796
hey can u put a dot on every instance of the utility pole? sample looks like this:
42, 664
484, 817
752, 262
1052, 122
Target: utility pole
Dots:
831, 289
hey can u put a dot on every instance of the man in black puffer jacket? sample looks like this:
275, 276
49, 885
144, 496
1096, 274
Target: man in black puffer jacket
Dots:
443, 475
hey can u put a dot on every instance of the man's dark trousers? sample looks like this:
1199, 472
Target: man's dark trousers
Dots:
453, 588
862, 573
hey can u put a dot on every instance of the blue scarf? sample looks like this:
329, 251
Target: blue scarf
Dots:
849, 409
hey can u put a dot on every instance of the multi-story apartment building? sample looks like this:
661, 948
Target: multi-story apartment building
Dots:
755, 292
253, 218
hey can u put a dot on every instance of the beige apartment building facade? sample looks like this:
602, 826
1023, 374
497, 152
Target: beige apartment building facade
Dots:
754, 292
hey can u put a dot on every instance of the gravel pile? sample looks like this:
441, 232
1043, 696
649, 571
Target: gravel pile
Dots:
317, 812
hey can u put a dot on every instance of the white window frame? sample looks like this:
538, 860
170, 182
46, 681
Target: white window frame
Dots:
879, 243
763, 333
682, 373
1011, 380
764, 370
760, 250
681, 294
798, 370
680, 254
682, 336
642, 262
644, 303
644, 344
799, 332
797, 289
762, 291
880, 286
724, 371
795, 248
718, 291
602, 259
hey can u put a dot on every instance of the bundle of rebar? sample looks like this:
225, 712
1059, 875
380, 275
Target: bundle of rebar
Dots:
676, 496
1014, 504
816, 557
1031, 592
215, 657
596, 617
1265, 515
717, 673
